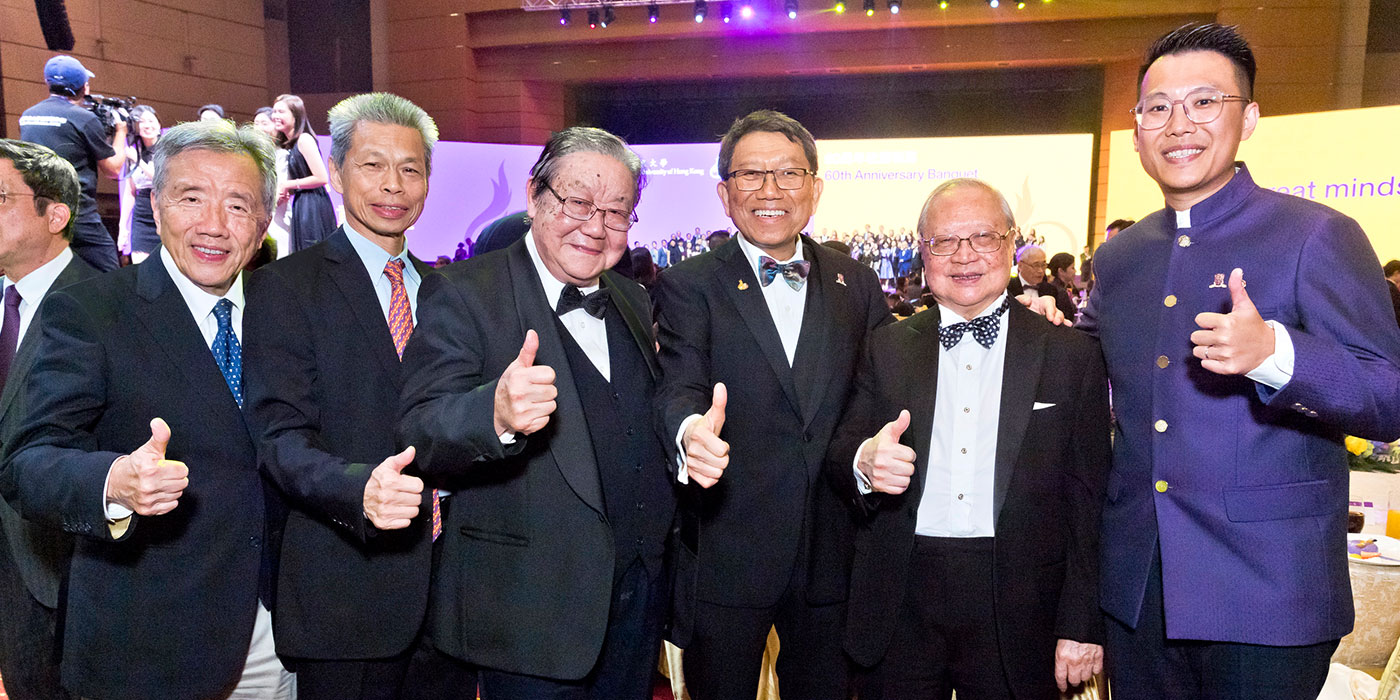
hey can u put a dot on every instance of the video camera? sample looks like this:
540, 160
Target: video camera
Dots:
110, 109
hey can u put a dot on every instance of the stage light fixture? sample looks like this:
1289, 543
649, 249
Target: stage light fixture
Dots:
746, 12
701, 9
608, 16
994, 4
592, 19
791, 7
725, 13
565, 16
893, 5
869, 8
653, 13
840, 7
1021, 5
943, 4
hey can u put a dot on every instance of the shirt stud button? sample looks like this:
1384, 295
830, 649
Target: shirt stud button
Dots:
1160, 426
1162, 361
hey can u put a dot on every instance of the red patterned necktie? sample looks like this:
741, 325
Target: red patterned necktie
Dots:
401, 327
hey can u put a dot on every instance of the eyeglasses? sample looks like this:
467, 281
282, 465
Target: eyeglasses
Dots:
5, 196
982, 242
583, 210
784, 178
1200, 106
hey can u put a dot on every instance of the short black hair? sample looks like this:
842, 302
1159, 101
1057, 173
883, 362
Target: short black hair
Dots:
1060, 261
216, 109
765, 120
1392, 267
1225, 40
1120, 224
48, 175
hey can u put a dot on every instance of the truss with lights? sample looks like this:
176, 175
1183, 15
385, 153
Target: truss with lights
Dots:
542, 5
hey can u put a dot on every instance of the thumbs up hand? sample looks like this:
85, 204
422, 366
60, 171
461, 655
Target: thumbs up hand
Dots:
886, 462
1236, 342
392, 497
706, 456
144, 481
525, 393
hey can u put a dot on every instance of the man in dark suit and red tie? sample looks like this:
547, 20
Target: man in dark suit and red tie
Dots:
1224, 574
324, 341
135, 439
529, 386
977, 444
759, 340
38, 202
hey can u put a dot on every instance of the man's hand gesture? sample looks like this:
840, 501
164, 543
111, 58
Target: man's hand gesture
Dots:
886, 462
706, 456
144, 481
525, 393
392, 497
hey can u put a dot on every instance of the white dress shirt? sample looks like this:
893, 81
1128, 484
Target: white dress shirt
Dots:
785, 306
33, 288
201, 305
375, 259
590, 333
1277, 369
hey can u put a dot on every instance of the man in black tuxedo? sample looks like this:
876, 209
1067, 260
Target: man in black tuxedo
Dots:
38, 199
976, 568
134, 437
325, 338
529, 386
759, 340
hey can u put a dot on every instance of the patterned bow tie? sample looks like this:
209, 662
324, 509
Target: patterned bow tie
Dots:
794, 273
984, 328
572, 298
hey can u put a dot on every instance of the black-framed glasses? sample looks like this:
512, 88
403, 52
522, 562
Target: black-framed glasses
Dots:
583, 210
980, 242
5, 196
784, 178
1200, 106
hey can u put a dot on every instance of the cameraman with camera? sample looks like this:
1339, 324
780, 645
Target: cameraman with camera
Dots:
65, 123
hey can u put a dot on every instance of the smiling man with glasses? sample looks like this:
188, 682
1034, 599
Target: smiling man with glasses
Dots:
1223, 569
528, 389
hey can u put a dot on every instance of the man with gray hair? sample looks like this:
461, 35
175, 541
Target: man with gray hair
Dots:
976, 442
529, 384
324, 343
135, 440
39, 194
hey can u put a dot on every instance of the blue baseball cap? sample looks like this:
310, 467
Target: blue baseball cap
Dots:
67, 72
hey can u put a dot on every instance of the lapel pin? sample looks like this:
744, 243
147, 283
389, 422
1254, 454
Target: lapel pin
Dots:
841, 279
1219, 282
743, 285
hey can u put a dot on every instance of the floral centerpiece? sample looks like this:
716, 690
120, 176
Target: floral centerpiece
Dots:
1371, 456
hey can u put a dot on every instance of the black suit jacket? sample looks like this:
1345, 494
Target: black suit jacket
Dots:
742, 536
323, 387
41, 553
166, 608
525, 577
1051, 467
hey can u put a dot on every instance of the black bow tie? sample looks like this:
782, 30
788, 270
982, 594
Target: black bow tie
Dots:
984, 328
572, 298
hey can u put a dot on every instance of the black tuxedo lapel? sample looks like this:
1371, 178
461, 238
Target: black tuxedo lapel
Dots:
166, 316
810, 374
569, 440
641, 334
1025, 351
920, 394
348, 273
735, 271
75, 271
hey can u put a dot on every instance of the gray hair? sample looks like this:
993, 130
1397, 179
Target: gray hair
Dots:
956, 183
221, 137
585, 139
379, 108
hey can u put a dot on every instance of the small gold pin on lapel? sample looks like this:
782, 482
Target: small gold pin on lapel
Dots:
1184, 241
743, 285
841, 279
1219, 282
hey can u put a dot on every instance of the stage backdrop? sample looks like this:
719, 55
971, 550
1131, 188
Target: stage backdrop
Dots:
875, 182
1342, 159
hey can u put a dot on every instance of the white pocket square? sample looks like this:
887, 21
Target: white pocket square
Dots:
1038, 405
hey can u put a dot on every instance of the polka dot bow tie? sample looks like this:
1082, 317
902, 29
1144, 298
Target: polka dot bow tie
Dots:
984, 328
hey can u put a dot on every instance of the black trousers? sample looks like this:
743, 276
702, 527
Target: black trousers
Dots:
725, 656
93, 243
350, 679
29, 642
631, 647
1143, 664
945, 637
